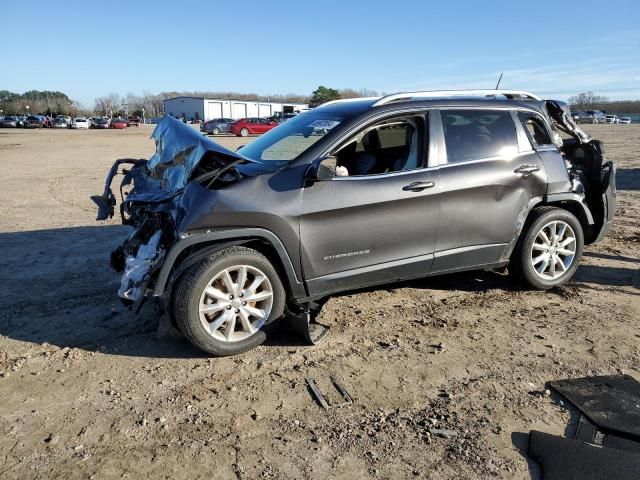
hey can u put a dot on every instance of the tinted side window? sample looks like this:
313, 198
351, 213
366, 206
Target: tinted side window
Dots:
535, 128
476, 134
391, 145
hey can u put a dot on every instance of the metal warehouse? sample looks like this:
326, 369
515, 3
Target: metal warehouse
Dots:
199, 108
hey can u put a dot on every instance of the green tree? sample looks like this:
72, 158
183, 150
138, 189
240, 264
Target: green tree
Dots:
322, 95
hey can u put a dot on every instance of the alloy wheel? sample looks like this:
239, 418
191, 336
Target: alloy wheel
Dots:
553, 250
236, 303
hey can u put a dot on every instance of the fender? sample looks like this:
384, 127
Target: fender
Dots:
552, 198
573, 198
215, 236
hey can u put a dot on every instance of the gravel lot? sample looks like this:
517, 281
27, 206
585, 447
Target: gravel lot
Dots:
88, 390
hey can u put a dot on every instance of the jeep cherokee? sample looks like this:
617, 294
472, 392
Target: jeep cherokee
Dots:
352, 194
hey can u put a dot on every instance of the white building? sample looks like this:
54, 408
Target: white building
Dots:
207, 108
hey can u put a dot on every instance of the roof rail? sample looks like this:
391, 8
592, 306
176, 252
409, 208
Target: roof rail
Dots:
408, 96
346, 100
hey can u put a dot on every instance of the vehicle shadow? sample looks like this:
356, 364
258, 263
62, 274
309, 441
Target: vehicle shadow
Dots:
608, 276
56, 287
628, 178
611, 257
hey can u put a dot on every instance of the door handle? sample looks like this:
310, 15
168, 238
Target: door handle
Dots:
526, 170
417, 186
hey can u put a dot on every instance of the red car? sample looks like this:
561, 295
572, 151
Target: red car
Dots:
253, 126
118, 123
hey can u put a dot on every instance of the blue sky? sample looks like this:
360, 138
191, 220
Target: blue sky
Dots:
90, 48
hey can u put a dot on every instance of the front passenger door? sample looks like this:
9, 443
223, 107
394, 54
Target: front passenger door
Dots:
365, 229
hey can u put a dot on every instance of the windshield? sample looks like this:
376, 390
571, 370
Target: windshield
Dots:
290, 139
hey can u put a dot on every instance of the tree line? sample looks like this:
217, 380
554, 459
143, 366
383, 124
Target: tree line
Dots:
590, 101
153, 103
52, 103
43, 102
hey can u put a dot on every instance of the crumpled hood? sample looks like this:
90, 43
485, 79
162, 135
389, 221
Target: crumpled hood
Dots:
179, 150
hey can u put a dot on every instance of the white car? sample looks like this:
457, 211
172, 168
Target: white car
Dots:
80, 123
625, 120
611, 118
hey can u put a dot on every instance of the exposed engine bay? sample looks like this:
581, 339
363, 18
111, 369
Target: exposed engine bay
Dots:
150, 199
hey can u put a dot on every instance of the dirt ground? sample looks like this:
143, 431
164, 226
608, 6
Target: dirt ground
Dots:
87, 390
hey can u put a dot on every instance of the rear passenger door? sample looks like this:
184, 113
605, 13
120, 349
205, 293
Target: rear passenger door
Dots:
489, 174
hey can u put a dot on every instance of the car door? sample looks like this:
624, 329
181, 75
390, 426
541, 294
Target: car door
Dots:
362, 230
489, 176
263, 125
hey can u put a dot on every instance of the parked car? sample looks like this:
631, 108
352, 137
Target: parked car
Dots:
80, 123
625, 120
118, 123
287, 116
353, 194
611, 119
9, 121
216, 126
594, 116
579, 117
251, 126
133, 121
65, 118
34, 121
21, 121
60, 122
101, 122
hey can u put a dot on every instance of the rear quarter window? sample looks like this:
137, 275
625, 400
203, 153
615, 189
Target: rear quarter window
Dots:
536, 129
477, 134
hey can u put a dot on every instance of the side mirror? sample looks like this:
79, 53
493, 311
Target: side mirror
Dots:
327, 168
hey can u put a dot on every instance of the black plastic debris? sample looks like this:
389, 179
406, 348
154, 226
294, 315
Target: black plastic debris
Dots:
611, 402
320, 398
606, 444
303, 323
569, 459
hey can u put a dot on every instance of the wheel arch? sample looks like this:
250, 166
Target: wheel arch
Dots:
191, 249
571, 202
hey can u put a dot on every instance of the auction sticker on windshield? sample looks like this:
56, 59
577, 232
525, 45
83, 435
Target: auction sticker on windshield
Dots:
323, 124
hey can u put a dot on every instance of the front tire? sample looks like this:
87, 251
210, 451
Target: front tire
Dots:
225, 304
215, 131
549, 250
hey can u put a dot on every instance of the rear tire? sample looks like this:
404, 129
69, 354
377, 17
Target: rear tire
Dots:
244, 132
549, 249
209, 304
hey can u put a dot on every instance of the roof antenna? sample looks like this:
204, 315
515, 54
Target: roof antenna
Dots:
499, 80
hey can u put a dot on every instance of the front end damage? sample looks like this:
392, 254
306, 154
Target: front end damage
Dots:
151, 194
592, 175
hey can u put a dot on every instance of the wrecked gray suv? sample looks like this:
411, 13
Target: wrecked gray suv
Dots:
352, 194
